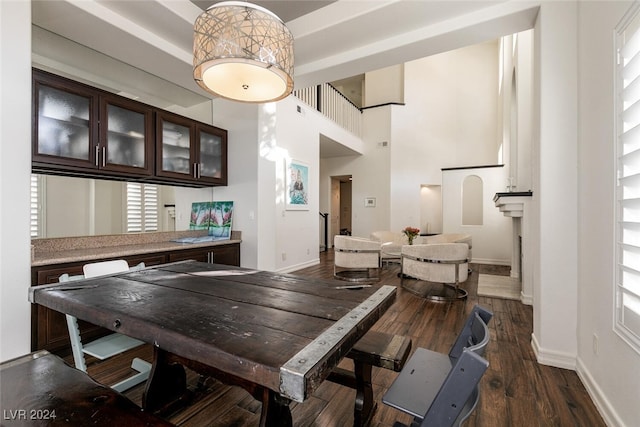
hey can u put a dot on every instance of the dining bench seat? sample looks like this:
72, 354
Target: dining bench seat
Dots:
41, 389
379, 349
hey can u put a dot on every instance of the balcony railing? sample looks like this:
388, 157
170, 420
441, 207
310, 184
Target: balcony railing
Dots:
334, 105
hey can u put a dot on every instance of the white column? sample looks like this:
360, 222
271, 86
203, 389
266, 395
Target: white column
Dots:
555, 192
15, 170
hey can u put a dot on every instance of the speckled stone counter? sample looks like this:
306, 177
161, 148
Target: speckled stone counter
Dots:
87, 248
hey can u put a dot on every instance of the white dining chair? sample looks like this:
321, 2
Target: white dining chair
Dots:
112, 344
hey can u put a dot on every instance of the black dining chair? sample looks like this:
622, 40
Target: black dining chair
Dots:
440, 389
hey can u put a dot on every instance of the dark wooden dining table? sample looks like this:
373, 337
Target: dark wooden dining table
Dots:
277, 335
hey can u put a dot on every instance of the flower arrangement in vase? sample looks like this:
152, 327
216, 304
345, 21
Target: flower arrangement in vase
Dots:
411, 233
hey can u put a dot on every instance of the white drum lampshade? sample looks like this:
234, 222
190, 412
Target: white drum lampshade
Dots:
243, 52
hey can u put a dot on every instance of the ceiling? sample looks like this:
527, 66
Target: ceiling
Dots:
333, 40
287, 10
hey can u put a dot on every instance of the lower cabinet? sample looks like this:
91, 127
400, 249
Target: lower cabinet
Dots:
49, 327
228, 255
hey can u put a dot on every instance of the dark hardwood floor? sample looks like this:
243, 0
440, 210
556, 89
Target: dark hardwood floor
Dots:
515, 391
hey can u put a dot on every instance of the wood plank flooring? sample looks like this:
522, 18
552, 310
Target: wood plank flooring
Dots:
515, 391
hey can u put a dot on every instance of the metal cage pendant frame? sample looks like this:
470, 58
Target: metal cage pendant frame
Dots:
243, 52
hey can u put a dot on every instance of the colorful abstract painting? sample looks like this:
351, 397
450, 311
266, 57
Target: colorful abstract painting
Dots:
216, 217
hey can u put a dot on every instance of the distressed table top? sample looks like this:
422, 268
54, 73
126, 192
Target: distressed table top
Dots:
280, 331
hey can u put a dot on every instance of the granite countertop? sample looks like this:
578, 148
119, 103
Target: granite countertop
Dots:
88, 248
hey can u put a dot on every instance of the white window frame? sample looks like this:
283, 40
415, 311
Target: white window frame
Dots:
627, 183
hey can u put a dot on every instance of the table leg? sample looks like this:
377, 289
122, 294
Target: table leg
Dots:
275, 409
365, 405
167, 384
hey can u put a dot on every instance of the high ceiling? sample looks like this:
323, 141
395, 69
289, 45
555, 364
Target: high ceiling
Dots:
334, 40
287, 10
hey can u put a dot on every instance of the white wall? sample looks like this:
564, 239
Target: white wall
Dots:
449, 120
286, 134
384, 86
431, 209
492, 239
71, 217
613, 374
15, 170
370, 172
523, 62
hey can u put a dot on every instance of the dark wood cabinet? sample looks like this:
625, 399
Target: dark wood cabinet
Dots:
190, 151
84, 131
77, 128
224, 254
65, 117
49, 327
228, 255
126, 136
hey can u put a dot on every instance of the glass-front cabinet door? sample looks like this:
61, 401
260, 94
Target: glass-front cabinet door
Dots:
190, 151
63, 131
126, 137
79, 128
212, 164
175, 147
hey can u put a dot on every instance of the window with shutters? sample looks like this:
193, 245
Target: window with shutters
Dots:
627, 286
142, 207
36, 225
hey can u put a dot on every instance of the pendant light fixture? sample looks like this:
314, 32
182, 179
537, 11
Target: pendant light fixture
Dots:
243, 52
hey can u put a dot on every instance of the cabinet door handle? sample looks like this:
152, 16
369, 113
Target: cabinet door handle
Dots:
104, 157
195, 170
97, 155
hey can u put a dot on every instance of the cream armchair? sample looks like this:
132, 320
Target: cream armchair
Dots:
391, 244
445, 263
356, 259
447, 238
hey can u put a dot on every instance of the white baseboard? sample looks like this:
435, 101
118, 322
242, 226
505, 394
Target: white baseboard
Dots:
599, 399
526, 299
490, 261
553, 358
300, 266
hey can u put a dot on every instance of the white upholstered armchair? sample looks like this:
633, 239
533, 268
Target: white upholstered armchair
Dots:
442, 263
447, 238
391, 244
356, 259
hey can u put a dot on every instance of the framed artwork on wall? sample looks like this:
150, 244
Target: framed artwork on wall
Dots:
297, 186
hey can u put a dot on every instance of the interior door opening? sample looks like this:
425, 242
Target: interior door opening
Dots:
341, 206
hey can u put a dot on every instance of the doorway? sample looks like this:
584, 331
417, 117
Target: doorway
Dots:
341, 205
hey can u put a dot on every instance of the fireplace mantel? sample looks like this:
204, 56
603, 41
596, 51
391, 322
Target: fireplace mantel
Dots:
511, 204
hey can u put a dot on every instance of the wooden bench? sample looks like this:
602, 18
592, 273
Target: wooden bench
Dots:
41, 389
374, 349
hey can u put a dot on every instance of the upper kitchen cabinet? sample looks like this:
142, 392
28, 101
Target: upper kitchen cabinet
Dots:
78, 129
190, 151
126, 136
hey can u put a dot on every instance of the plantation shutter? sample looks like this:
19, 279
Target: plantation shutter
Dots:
142, 207
34, 216
628, 183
